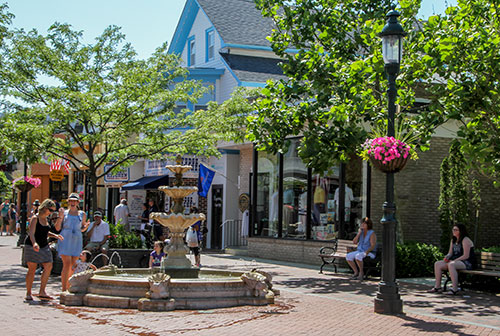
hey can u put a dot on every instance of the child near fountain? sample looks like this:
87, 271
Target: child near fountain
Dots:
156, 255
83, 263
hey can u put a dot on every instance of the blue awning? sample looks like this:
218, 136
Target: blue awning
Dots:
147, 182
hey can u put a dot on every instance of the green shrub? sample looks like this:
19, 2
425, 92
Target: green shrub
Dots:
492, 249
416, 259
121, 238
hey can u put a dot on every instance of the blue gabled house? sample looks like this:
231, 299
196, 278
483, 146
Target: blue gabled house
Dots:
224, 44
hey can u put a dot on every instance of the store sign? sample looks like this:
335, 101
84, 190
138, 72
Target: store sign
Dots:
157, 167
118, 177
56, 175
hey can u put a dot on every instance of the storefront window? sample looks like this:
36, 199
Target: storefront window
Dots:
325, 223
267, 195
294, 193
326, 196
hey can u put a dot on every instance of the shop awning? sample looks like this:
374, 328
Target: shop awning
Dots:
147, 182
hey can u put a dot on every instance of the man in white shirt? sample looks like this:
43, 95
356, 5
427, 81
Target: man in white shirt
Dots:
122, 213
98, 231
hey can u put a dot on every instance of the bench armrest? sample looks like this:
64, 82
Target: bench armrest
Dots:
327, 250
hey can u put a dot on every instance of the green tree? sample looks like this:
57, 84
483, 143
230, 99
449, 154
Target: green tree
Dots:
5, 184
458, 57
335, 86
95, 104
454, 195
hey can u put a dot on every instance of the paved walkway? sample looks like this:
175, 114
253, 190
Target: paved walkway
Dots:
309, 304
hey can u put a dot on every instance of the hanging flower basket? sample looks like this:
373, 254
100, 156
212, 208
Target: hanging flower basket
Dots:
392, 166
26, 183
25, 187
387, 154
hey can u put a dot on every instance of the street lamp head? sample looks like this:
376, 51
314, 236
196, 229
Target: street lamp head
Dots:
392, 39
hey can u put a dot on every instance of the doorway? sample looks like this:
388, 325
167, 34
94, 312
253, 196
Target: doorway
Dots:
216, 241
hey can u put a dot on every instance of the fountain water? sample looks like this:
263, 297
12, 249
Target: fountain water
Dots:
177, 284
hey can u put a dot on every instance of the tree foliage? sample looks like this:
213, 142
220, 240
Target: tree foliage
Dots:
457, 56
335, 86
95, 104
454, 196
5, 184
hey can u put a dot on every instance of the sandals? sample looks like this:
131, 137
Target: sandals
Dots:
435, 290
452, 291
355, 276
28, 298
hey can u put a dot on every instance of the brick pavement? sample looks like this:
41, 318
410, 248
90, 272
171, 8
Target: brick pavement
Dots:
309, 304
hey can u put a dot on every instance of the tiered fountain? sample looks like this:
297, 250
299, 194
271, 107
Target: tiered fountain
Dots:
177, 284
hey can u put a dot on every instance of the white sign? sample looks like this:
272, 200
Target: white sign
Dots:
120, 176
135, 200
157, 167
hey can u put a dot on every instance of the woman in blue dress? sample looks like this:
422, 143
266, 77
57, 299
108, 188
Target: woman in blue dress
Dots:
73, 224
366, 240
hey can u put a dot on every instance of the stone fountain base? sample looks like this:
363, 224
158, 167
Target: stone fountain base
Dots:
152, 290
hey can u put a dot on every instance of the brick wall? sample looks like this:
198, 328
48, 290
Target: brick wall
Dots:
302, 251
417, 199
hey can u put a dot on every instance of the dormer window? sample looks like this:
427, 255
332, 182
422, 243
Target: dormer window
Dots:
191, 51
210, 43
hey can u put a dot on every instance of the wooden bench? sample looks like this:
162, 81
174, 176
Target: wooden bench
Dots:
337, 251
488, 264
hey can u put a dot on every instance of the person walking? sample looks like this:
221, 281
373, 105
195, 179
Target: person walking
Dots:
12, 219
121, 213
73, 223
4, 209
36, 249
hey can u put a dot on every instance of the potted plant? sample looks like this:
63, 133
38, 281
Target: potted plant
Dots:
26, 183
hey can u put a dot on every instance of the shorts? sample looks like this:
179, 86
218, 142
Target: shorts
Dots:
93, 246
195, 250
468, 265
358, 255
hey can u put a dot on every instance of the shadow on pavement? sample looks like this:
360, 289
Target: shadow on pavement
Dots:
432, 327
325, 286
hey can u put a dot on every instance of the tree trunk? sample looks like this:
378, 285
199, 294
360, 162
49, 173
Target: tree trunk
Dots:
93, 200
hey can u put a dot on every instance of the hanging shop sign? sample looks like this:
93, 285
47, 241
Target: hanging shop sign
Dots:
56, 175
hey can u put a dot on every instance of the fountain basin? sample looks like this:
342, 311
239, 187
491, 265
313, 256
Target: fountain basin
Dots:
130, 288
178, 192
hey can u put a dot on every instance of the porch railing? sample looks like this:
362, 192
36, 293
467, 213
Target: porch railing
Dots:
232, 234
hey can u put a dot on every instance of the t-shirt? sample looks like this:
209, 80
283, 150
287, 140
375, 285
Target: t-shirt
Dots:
5, 209
157, 258
81, 266
99, 232
121, 213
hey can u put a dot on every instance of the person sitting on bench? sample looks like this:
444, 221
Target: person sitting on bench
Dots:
460, 256
366, 240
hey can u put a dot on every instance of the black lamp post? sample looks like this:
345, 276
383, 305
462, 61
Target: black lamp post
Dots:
388, 300
24, 210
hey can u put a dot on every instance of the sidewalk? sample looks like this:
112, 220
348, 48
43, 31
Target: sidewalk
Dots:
309, 304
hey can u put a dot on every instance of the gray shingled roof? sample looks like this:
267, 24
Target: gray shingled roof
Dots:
254, 69
238, 21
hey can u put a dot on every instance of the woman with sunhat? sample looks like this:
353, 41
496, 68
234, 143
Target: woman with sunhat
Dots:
73, 224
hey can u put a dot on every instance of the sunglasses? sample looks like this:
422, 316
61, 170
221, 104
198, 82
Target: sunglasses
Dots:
52, 210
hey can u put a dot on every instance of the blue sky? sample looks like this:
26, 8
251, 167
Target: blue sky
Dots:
147, 24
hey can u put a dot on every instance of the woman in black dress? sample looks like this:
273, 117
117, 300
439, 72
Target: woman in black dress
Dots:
460, 256
36, 248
